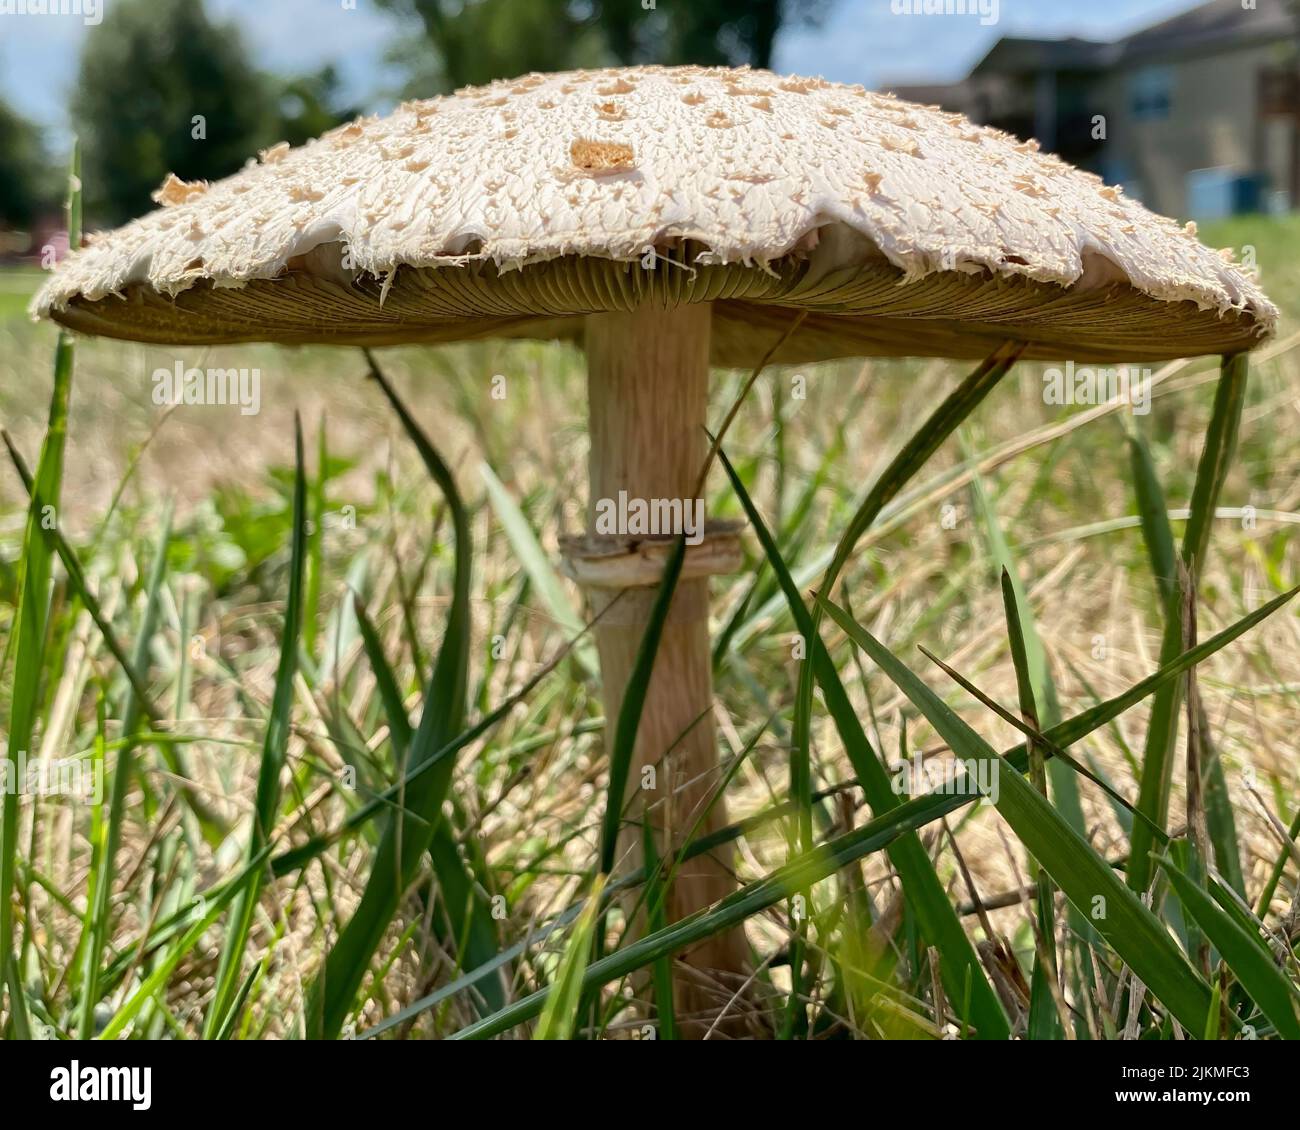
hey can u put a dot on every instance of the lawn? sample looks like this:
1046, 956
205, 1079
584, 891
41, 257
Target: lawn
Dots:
17, 285
183, 521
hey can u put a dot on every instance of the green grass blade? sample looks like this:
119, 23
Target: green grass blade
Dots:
537, 564
213, 829
1216, 460
1065, 788
1031, 662
315, 544
1158, 536
1039, 702
393, 797
1153, 513
795, 1021
798, 874
1250, 961
468, 910
1216, 1011
629, 715
172, 957
913, 456
925, 892
839, 853
28, 630
77, 582
564, 997
103, 869
910, 459
1162, 731
470, 933
76, 967
1279, 867
918, 451
1132, 930
1044, 1023
918, 813
399, 725
442, 719
227, 1030
1119, 803
275, 749
656, 920
35, 568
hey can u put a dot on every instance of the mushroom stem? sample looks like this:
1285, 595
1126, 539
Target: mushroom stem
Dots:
648, 378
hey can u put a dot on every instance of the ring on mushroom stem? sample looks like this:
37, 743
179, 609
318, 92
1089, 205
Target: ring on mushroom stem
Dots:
669, 219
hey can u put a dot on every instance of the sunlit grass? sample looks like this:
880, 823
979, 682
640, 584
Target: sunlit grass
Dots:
487, 917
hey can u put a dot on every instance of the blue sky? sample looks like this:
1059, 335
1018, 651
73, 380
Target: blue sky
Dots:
862, 41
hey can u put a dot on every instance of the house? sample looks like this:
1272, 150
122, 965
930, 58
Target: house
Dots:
1197, 116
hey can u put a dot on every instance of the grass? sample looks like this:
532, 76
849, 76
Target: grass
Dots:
17, 285
390, 820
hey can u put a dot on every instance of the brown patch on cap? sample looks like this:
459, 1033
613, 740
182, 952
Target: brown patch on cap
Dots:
601, 156
275, 154
175, 191
906, 145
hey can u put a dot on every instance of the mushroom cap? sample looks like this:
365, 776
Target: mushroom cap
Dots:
517, 208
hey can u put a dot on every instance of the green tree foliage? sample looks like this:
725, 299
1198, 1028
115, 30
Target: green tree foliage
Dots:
478, 41
474, 41
309, 105
164, 89
712, 33
25, 180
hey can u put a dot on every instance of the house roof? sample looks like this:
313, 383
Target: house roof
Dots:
1214, 26
1012, 55
950, 95
1217, 25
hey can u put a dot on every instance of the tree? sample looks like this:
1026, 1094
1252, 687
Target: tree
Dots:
25, 180
164, 89
474, 41
481, 40
710, 32
309, 105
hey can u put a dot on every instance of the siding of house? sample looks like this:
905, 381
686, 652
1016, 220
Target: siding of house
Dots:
1198, 117
1212, 122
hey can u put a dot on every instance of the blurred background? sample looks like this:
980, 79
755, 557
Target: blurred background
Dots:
1193, 107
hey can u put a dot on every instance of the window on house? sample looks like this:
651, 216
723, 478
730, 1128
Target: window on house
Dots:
1150, 93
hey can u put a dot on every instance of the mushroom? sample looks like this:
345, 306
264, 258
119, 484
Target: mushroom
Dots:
669, 219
